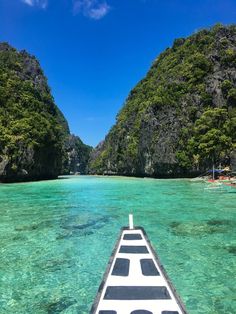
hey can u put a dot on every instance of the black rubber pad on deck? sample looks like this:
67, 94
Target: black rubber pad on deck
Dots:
134, 249
148, 267
169, 312
107, 312
141, 312
121, 267
136, 293
132, 236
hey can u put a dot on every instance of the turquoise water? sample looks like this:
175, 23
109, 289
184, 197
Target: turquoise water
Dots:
57, 236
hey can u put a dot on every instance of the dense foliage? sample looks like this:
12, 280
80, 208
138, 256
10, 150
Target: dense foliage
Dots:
212, 139
182, 115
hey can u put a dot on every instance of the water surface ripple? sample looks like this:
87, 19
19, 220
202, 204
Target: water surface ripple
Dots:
57, 236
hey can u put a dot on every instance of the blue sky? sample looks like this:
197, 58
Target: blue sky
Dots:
94, 51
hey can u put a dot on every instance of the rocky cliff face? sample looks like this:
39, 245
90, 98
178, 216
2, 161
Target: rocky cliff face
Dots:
32, 128
34, 134
182, 116
77, 156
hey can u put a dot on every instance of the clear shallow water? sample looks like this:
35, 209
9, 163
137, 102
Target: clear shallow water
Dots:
57, 236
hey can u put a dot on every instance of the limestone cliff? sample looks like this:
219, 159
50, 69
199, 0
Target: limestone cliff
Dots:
34, 135
182, 116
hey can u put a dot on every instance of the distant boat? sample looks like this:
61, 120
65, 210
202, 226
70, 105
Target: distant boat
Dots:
135, 282
214, 175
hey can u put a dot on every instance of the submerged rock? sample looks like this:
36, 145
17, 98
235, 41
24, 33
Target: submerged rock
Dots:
85, 229
95, 223
27, 228
59, 306
52, 265
20, 237
35, 226
71, 234
192, 229
215, 222
175, 224
80, 227
231, 249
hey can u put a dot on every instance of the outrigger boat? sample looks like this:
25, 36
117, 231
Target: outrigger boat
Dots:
135, 282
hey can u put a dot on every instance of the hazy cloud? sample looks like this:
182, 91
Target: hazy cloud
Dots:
94, 9
29, 2
39, 3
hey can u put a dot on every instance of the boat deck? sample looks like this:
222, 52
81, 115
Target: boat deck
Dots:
135, 282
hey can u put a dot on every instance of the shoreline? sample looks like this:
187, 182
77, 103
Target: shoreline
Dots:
66, 177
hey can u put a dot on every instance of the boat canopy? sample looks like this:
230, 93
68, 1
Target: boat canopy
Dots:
216, 171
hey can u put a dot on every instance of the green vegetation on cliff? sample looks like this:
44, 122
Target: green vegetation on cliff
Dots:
33, 132
182, 115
